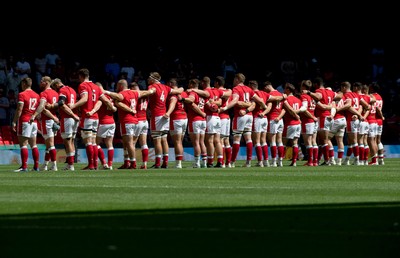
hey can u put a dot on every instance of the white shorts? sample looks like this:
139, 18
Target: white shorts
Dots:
225, 127
143, 127
28, 129
197, 127
179, 126
89, 124
276, 127
213, 124
159, 124
373, 130
379, 130
260, 125
310, 128
324, 124
69, 127
47, 128
106, 130
129, 129
364, 128
354, 126
338, 127
242, 124
293, 131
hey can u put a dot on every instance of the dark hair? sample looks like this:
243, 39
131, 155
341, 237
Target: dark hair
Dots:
290, 87
220, 80
318, 81
84, 72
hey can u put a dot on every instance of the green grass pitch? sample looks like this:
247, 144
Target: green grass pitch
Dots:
347, 211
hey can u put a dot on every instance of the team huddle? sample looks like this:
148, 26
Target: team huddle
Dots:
266, 119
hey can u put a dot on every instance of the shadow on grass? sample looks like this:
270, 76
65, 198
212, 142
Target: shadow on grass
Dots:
340, 230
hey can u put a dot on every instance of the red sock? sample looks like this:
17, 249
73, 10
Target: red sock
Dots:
47, 155
235, 151
228, 155
145, 155
295, 153
53, 154
95, 155
35, 156
273, 151
158, 161
89, 154
315, 154
259, 153
265, 151
110, 155
101, 155
70, 160
281, 151
24, 157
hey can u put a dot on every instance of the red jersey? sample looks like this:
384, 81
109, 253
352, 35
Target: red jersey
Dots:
199, 101
141, 109
225, 101
70, 98
215, 94
276, 106
31, 100
371, 118
309, 102
131, 100
51, 97
245, 94
158, 100
340, 104
355, 103
179, 110
378, 104
94, 92
295, 103
106, 116
327, 98
264, 96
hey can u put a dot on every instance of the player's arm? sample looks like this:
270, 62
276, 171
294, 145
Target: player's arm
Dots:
61, 105
96, 108
315, 95
259, 101
83, 99
380, 113
115, 96
251, 107
243, 104
232, 103
281, 114
38, 110
226, 94
189, 100
291, 111
171, 107
267, 110
146, 93
217, 102
202, 93
327, 107
364, 104
197, 110
104, 100
125, 107
50, 115
176, 91
17, 115
275, 98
